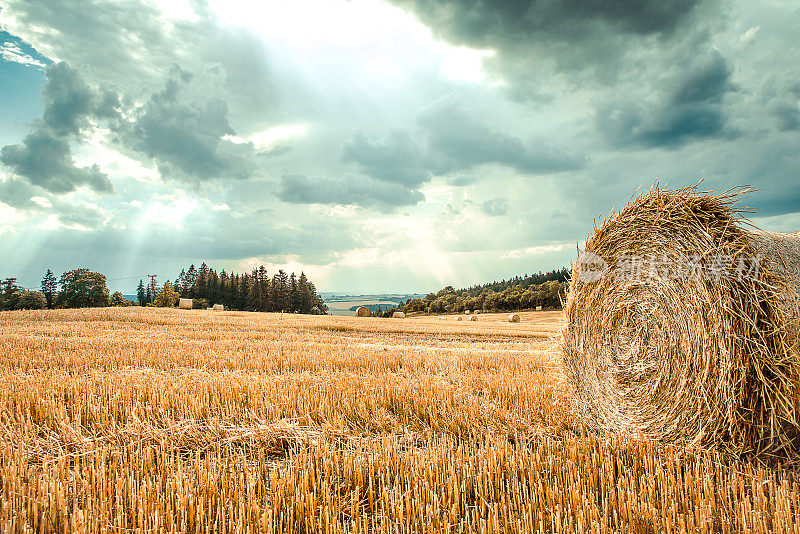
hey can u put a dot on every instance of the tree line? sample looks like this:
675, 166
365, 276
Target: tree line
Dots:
518, 293
82, 288
256, 291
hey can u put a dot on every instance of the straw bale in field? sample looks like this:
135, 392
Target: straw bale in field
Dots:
682, 325
538, 308
185, 304
362, 311
473, 317
399, 315
218, 307
459, 318
513, 318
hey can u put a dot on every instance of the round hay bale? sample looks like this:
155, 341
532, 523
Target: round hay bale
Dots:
682, 325
538, 308
362, 311
185, 304
467, 312
399, 315
459, 318
218, 307
513, 318
473, 317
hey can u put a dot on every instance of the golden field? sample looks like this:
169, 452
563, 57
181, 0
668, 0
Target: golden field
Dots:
141, 420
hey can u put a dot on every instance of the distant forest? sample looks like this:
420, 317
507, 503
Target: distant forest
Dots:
82, 288
518, 293
256, 291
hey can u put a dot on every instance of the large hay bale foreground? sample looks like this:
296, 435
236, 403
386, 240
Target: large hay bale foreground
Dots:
362, 311
513, 318
185, 304
473, 317
682, 324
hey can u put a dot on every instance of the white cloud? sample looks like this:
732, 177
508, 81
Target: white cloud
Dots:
42, 201
13, 52
168, 211
464, 64
749, 36
270, 137
534, 251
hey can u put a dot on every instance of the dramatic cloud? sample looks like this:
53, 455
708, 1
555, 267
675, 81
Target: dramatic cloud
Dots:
349, 190
447, 141
45, 158
397, 158
46, 161
692, 110
456, 141
483, 136
183, 132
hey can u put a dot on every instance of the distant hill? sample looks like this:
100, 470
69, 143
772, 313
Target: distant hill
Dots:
517, 293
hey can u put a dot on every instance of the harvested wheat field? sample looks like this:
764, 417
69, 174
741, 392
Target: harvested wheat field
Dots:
140, 420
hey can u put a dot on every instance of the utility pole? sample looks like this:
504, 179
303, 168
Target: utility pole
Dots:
152, 287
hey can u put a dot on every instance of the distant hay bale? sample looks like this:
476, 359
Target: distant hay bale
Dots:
467, 312
362, 311
459, 318
398, 315
218, 307
682, 324
185, 304
513, 318
538, 308
473, 317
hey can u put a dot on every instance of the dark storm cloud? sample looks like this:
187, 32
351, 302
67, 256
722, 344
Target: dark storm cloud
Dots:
782, 98
488, 23
706, 81
447, 140
397, 158
693, 110
68, 99
576, 35
349, 190
45, 158
457, 141
183, 133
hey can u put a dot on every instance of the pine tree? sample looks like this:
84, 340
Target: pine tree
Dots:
294, 294
191, 282
141, 295
305, 304
49, 288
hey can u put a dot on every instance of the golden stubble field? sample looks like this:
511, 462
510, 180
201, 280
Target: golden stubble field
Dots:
141, 420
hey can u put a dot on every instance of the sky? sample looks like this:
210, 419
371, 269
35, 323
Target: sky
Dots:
395, 146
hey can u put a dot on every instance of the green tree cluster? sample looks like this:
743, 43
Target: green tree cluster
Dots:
254, 291
82, 288
167, 297
518, 293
